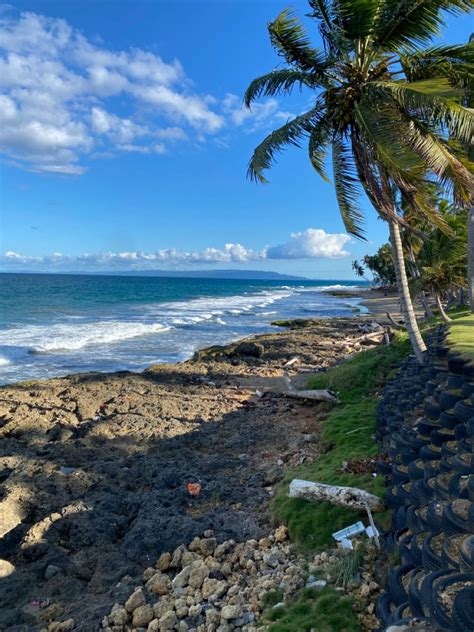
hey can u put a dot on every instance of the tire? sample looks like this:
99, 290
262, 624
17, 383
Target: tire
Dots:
412, 521
456, 364
467, 389
438, 611
463, 610
430, 559
383, 608
466, 555
454, 382
464, 410
441, 436
448, 399
452, 522
430, 453
458, 486
426, 426
394, 584
432, 409
434, 516
442, 486
462, 463
399, 476
426, 588
414, 595
432, 468
450, 561
399, 518
448, 420
416, 470
461, 431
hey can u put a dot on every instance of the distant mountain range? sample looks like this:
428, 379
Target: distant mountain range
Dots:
254, 275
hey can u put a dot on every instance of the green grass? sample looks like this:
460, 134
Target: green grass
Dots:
461, 335
324, 611
346, 434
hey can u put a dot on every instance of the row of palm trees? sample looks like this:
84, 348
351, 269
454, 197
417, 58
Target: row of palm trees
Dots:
390, 107
436, 263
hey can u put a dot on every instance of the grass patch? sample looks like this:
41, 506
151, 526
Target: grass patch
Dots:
346, 434
326, 607
461, 335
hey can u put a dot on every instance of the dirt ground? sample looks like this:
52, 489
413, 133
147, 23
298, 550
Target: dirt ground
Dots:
95, 467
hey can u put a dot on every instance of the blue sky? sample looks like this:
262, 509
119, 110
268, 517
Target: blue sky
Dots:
124, 134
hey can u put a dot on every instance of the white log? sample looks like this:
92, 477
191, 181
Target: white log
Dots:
351, 497
294, 360
321, 395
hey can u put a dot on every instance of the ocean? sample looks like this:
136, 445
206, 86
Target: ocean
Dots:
54, 325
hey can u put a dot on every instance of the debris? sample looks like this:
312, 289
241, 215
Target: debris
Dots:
194, 489
292, 361
351, 497
349, 532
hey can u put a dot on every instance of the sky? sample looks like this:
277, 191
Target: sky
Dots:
124, 143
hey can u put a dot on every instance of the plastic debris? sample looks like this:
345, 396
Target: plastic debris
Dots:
194, 489
349, 532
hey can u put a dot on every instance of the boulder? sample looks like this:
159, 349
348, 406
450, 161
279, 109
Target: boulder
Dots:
251, 349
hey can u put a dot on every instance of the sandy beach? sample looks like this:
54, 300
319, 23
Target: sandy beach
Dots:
95, 467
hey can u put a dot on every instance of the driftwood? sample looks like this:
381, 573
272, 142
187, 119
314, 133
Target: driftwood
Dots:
351, 497
321, 395
394, 323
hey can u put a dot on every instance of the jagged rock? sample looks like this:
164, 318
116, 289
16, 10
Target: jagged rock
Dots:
164, 562
231, 612
135, 600
118, 615
208, 546
198, 574
181, 580
168, 621
142, 616
159, 584
252, 349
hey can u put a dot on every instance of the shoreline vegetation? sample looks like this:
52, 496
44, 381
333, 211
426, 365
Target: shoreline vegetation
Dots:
105, 473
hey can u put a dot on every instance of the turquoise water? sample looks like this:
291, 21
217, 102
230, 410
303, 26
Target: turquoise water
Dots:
53, 325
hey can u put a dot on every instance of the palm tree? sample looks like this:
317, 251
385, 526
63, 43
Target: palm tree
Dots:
442, 259
383, 104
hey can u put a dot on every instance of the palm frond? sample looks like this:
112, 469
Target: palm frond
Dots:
454, 62
431, 100
289, 134
441, 161
347, 190
381, 128
280, 82
317, 146
290, 40
356, 17
407, 23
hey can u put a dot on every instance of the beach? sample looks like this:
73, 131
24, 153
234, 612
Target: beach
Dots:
96, 465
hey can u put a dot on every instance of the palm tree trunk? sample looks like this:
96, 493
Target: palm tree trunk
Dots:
408, 312
470, 256
443, 314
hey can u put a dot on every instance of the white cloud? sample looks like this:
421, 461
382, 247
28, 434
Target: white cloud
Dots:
263, 114
309, 244
57, 89
312, 243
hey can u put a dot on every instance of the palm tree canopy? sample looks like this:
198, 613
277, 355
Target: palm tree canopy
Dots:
388, 107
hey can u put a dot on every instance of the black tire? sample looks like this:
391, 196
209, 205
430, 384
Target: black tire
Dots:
434, 516
430, 453
383, 608
432, 468
430, 559
462, 463
399, 476
458, 487
466, 554
426, 588
426, 426
452, 521
450, 560
467, 389
456, 364
448, 399
464, 410
391, 497
438, 611
463, 610
432, 409
468, 370
412, 520
414, 594
448, 420
454, 382
441, 436
421, 493
416, 548
399, 518
394, 583
416, 470
442, 486
461, 431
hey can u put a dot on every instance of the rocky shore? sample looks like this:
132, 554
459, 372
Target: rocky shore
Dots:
104, 474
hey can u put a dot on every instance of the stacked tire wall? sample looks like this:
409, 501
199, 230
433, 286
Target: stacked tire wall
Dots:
425, 422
